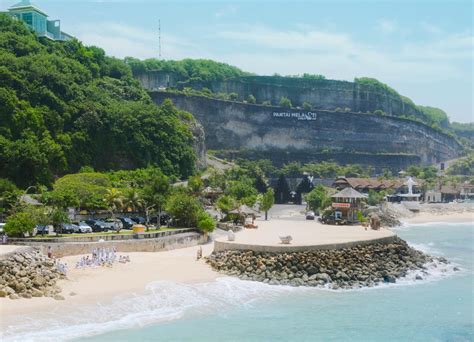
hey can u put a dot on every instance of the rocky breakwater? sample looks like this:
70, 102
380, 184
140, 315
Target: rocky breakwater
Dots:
29, 274
354, 267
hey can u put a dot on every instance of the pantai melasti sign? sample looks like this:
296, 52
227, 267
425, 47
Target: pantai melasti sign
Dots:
304, 116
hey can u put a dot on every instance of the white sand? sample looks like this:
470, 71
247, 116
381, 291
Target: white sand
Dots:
305, 233
427, 217
92, 285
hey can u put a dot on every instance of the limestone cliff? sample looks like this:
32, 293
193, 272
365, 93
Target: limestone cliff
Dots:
383, 141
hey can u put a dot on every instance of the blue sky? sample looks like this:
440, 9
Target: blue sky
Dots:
423, 49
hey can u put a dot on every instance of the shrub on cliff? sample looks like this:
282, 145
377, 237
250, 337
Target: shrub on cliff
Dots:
285, 102
307, 106
251, 99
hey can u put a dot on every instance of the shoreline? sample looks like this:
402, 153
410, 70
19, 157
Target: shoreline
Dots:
431, 217
93, 286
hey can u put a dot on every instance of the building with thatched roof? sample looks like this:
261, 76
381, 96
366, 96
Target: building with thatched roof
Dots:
346, 204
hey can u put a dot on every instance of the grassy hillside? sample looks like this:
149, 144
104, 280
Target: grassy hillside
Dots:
64, 106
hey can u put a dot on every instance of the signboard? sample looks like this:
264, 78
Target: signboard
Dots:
300, 116
341, 205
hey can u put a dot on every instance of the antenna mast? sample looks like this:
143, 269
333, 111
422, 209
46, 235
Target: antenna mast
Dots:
159, 38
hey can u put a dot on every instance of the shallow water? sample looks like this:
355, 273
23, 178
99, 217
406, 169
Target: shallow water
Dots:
439, 308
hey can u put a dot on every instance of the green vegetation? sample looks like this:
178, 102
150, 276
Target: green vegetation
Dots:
184, 208
307, 106
267, 201
285, 102
64, 106
317, 199
375, 197
19, 224
205, 222
463, 166
186, 70
436, 115
251, 99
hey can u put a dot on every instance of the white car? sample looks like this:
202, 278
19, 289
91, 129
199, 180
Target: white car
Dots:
83, 227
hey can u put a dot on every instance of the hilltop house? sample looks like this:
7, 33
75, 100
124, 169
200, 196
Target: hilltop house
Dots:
38, 21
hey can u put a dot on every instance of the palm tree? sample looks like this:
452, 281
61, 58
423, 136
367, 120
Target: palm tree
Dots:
132, 200
114, 200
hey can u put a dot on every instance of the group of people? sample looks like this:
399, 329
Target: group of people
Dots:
61, 266
101, 257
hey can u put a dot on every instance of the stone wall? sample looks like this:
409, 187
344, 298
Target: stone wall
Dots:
61, 249
301, 135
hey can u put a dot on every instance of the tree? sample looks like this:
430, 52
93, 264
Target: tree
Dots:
183, 208
114, 200
155, 194
205, 222
226, 203
375, 197
132, 199
242, 190
19, 224
233, 96
195, 184
251, 99
317, 198
285, 102
267, 201
266, 103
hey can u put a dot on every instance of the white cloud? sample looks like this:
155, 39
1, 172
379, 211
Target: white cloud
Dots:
387, 26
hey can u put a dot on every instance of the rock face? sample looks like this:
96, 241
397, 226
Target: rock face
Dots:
321, 94
284, 135
360, 266
199, 144
28, 274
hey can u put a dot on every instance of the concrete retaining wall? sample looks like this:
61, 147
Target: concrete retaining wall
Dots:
220, 246
166, 243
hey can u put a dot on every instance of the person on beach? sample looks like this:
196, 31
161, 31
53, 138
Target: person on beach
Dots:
199, 253
50, 252
5, 239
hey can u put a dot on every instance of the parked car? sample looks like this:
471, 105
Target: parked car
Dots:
113, 224
96, 225
43, 229
163, 219
69, 228
138, 219
127, 222
310, 215
83, 227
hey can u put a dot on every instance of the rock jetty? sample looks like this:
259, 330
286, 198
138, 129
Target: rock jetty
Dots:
29, 274
354, 267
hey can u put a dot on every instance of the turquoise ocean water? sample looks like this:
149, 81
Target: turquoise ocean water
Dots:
438, 308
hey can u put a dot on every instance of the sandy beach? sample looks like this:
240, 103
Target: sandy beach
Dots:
102, 284
93, 285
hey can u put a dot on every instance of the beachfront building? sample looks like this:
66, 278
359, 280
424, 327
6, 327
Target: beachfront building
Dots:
38, 21
347, 203
364, 185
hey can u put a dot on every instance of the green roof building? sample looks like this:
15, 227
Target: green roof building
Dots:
37, 20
